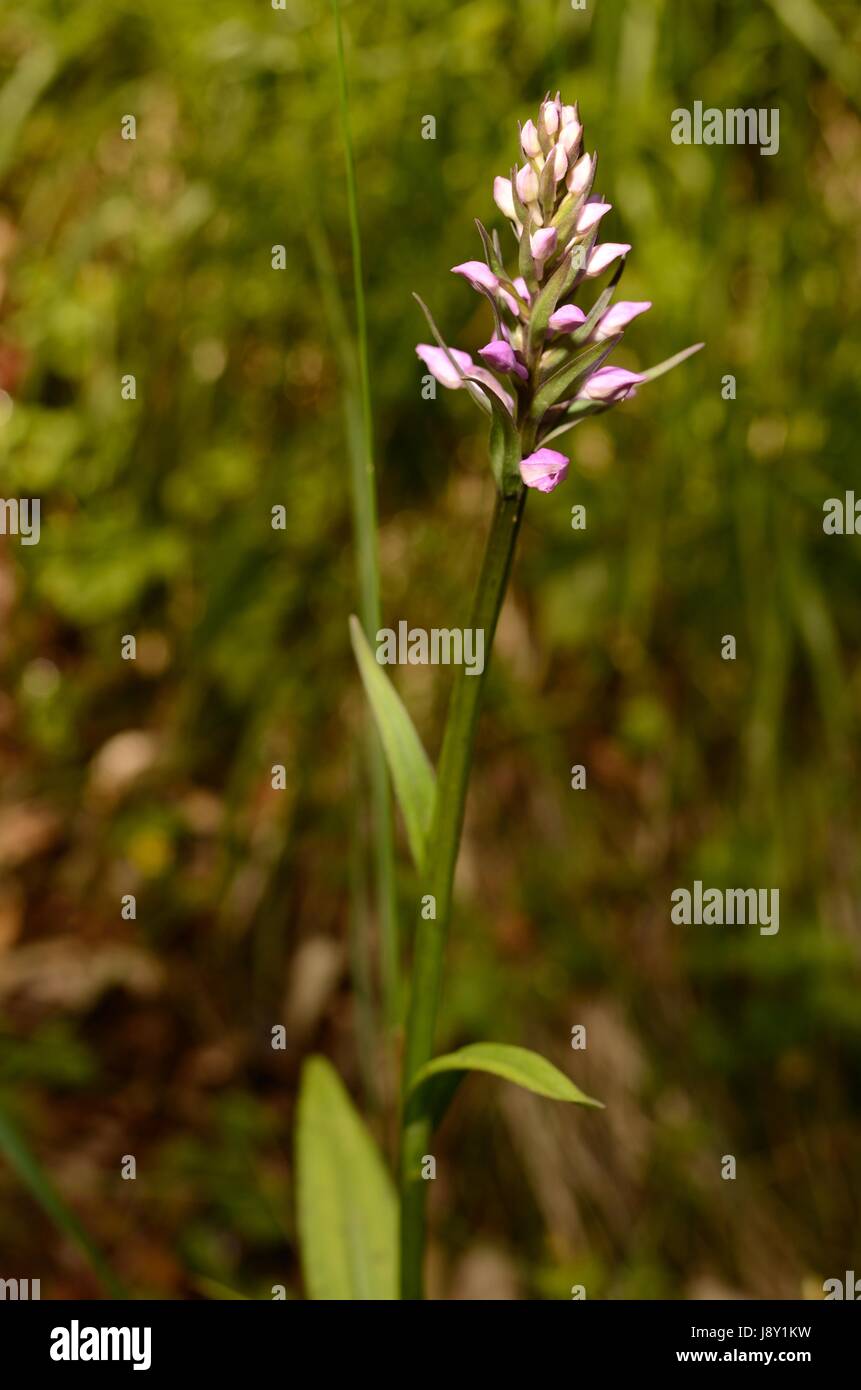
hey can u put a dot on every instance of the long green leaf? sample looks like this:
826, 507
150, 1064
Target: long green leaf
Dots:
360, 438
651, 373
517, 1064
17, 1153
347, 1209
412, 773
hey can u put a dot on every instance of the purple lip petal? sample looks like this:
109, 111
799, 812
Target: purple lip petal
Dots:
544, 470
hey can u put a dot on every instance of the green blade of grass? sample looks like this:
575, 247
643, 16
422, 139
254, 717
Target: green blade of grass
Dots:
363, 480
32, 1175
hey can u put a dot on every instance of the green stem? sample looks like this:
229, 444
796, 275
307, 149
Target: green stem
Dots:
444, 842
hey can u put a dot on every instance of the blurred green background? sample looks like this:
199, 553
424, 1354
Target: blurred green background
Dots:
151, 1037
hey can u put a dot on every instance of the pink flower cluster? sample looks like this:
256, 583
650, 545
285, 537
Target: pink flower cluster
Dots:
544, 368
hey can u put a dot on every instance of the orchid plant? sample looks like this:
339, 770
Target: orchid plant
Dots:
544, 370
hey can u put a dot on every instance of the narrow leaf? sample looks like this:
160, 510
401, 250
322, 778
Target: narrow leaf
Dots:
347, 1209
409, 765
470, 386
517, 1064
505, 451
667, 366
22, 1162
569, 377
582, 334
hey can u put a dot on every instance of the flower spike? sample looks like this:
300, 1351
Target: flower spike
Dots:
545, 369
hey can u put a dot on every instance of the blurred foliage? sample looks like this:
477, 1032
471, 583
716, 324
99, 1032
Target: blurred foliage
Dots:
152, 1036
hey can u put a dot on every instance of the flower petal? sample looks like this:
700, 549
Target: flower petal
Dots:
604, 255
526, 181
544, 470
504, 197
480, 276
502, 357
592, 214
566, 318
579, 175
439, 366
543, 243
611, 384
529, 142
618, 316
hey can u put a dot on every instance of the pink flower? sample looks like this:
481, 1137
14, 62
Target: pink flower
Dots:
566, 318
559, 156
544, 470
604, 255
591, 215
550, 111
501, 356
542, 244
618, 317
438, 364
526, 183
480, 276
579, 175
569, 135
529, 142
611, 384
504, 197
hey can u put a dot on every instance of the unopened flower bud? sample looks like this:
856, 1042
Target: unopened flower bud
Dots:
569, 136
527, 184
566, 318
579, 176
550, 112
560, 161
504, 197
502, 357
529, 142
542, 244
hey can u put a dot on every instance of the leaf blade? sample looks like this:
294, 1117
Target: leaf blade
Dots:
409, 764
346, 1204
517, 1064
23, 1162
